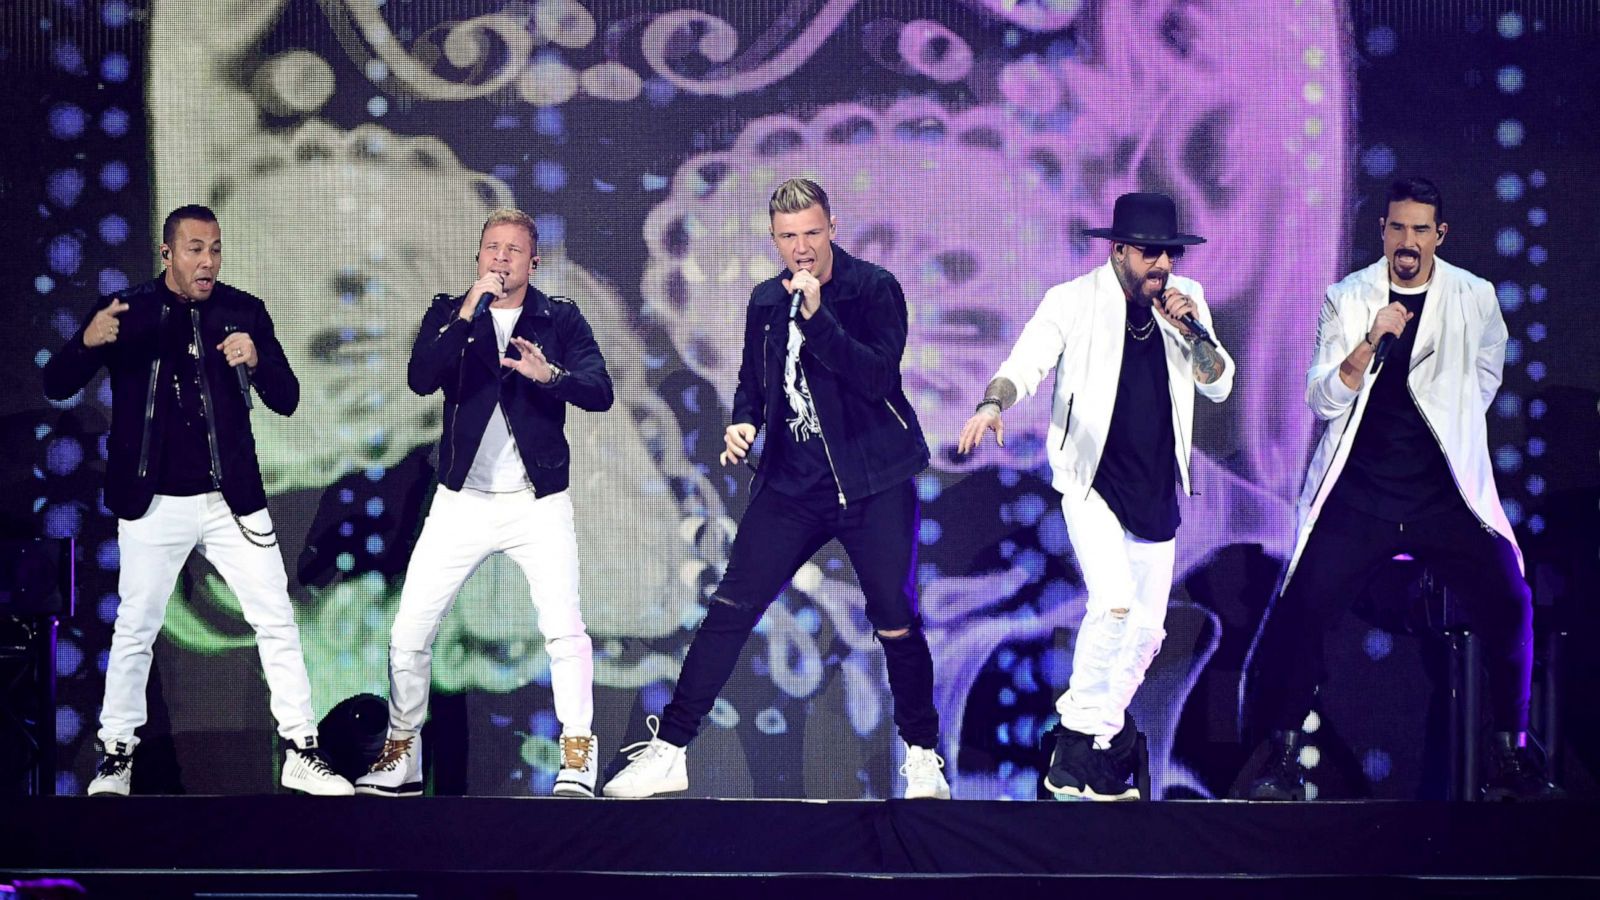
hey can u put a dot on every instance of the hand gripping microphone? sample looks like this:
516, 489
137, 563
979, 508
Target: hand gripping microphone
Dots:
483, 304
1196, 329
243, 373
1381, 351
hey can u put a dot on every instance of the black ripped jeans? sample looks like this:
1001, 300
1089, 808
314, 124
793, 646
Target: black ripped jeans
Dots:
778, 535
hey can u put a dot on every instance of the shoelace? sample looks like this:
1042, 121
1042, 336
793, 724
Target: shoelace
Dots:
393, 753
921, 761
576, 751
314, 761
113, 765
646, 749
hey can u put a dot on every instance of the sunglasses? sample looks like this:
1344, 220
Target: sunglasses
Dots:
1151, 254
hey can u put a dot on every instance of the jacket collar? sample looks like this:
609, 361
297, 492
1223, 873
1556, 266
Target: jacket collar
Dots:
535, 306
1430, 323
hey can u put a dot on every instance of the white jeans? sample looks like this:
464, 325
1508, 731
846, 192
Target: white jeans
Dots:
462, 529
153, 549
1128, 580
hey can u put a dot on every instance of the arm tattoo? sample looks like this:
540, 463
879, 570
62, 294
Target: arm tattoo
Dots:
1003, 390
1207, 362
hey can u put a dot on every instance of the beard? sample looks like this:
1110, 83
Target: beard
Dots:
1408, 261
1147, 289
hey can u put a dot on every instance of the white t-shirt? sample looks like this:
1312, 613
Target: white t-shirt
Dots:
497, 467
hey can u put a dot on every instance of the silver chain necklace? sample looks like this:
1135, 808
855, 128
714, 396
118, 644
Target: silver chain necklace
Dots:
1142, 332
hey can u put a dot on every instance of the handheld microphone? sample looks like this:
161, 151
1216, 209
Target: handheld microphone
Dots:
1198, 330
794, 303
243, 373
1381, 351
483, 304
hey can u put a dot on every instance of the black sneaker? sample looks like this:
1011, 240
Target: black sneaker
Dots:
1124, 750
1080, 772
1516, 770
1284, 778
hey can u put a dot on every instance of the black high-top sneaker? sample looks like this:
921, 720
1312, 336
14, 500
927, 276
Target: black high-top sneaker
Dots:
1516, 770
1284, 777
1078, 771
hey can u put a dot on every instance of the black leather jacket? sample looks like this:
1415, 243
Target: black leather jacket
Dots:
869, 430
463, 358
135, 364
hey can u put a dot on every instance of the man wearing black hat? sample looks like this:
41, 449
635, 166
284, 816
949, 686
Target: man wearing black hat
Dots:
1126, 341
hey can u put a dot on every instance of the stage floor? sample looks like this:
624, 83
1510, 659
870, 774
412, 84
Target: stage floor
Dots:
504, 847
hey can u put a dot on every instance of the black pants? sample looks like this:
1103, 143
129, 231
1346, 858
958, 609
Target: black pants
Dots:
1346, 547
778, 535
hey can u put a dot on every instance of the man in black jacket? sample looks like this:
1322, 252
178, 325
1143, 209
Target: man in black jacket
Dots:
181, 473
509, 359
821, 371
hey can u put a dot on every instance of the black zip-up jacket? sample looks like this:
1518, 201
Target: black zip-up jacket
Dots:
136, 366
463, 358
869, 430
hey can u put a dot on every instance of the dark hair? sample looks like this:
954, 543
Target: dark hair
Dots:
1420, 190
169, 228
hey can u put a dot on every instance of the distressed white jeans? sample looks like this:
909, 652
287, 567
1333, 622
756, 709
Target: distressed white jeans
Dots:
463, 528
1128, 580
153, 549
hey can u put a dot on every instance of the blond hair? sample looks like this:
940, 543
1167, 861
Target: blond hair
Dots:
506, 215
797, 194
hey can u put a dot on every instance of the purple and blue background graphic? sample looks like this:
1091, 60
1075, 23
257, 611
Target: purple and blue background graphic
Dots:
351, 149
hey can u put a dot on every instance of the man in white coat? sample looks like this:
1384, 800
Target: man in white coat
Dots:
1130, 345
1408, 358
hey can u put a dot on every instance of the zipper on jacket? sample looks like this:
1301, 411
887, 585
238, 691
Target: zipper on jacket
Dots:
829, 453
896, 413
1183, 439
1067, 427
1440, 444
205, 403
455, 412
526, 475
150, 398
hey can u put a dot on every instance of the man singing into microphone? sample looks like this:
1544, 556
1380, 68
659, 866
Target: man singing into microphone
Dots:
181, 474
1408, 358
1130, 345
821, 372
509, 359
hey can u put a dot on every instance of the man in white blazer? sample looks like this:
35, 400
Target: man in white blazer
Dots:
1408, 359
1130, 344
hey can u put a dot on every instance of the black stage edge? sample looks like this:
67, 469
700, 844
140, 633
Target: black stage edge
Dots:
151, 847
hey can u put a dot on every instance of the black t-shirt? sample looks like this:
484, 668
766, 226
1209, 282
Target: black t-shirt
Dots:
1138, 473
1396, 470
799, 463
181, 452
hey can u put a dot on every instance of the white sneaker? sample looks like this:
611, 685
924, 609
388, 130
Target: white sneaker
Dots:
655, 767
924, 778
114, 775
579, 755
305, 770
397, 772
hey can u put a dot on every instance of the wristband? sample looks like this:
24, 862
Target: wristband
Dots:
998, 406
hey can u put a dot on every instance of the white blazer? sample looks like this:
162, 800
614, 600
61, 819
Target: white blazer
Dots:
1078, 331
1455, 371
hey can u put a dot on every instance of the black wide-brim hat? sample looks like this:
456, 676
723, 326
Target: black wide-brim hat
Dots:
1146, 220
